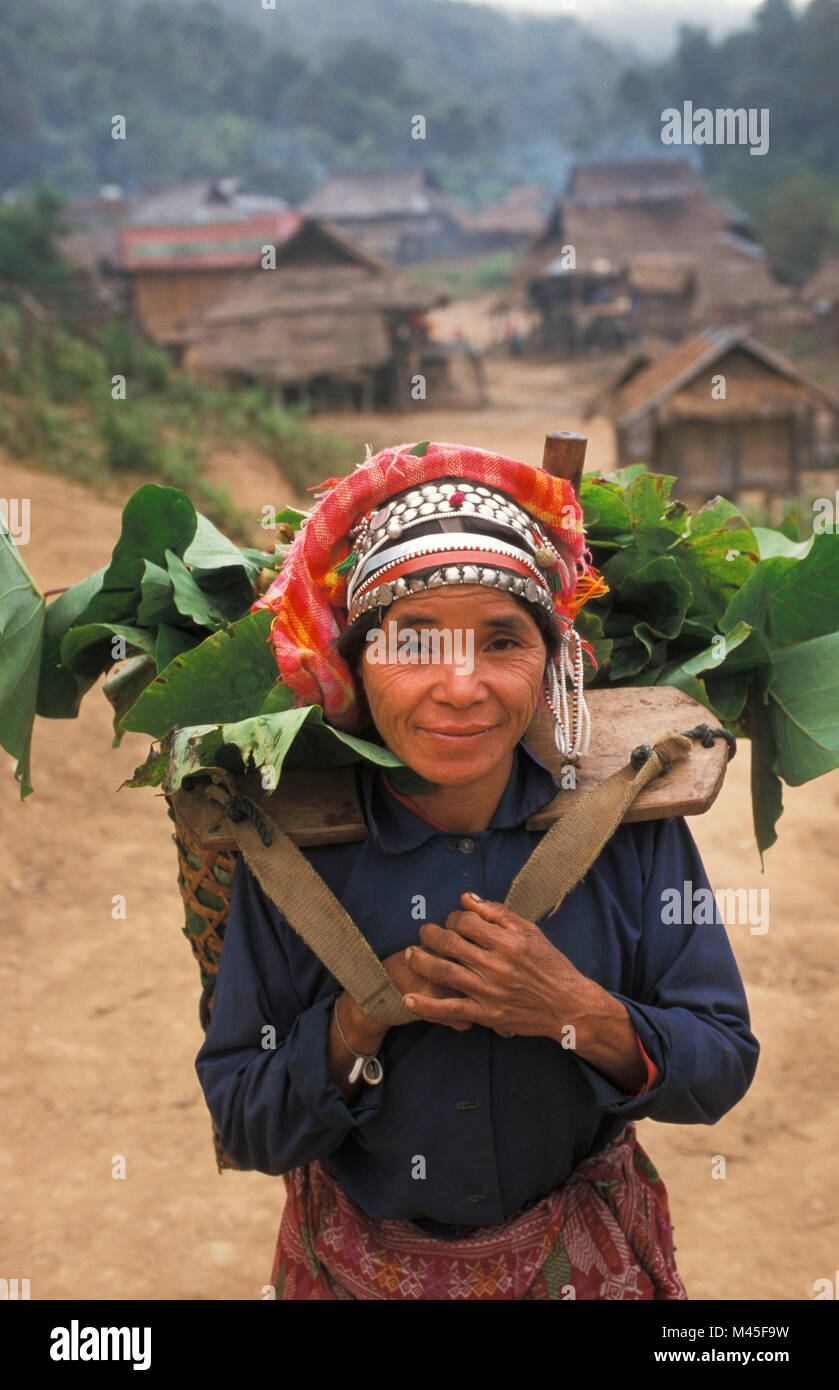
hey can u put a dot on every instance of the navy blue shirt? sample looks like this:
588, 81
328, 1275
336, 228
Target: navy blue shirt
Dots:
467, 1128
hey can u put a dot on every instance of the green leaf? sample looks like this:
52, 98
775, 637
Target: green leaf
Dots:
228, 589
776, 543
60, 690
209, 550
124, 686
157, 602
420, 450
189, 599
267, 738
713, 657
279, 698
791, 600
290, 516
716, 557
152, 772
804, 709
155, 519
658, 592
767, 797
171, 642
605, 512
22, 615
89, 649
225, 678
646, 498
727, 694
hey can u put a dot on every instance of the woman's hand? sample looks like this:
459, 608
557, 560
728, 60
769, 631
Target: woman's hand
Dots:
508, 975
512, 979
363, 1033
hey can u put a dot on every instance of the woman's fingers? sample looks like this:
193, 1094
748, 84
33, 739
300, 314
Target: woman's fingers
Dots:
457, 1013
445, 973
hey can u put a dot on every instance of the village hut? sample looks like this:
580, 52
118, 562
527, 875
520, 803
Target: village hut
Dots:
724, 414
330, 325
399, 214
641, 246
509, 222
174, 268
140, 277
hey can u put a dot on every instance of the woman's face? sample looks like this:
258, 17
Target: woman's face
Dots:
456, 714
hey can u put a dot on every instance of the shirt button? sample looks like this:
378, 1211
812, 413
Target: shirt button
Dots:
465, 846
479, 1197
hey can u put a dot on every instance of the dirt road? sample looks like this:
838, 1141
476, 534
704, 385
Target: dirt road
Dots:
100, 1012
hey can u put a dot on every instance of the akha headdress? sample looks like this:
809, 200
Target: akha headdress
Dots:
405, 521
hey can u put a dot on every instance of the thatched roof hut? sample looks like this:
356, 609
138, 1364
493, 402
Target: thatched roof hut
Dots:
647, 231
329, 317
722, 412
400, 214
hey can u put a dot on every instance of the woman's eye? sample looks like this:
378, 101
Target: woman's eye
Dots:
505, 642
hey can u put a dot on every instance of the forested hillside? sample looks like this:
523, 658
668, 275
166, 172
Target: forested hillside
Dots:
280, 96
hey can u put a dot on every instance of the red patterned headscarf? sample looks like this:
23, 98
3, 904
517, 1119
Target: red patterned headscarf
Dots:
309, 596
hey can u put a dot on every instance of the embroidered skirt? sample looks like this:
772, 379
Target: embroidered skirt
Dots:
604, 1234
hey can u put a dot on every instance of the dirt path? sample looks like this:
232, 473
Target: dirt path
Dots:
100, 1013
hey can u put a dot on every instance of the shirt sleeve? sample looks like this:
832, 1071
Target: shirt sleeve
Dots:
687, 1002
262, 1066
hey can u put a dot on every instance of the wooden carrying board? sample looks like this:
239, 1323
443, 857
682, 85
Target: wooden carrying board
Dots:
321, 807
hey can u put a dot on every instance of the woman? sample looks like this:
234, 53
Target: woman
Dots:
487, 1149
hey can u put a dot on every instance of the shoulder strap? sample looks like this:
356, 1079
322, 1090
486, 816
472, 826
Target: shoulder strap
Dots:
560, 859
573, 842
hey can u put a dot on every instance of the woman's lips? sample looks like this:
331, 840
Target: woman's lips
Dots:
459, 735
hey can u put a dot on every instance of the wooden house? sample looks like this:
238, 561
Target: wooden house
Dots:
723, 413
174, 268
399, 214
650, 251
331, 325
509, 222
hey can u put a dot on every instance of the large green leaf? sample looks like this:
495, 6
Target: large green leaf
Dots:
60, 690
189, 600
89, 649
767, 797
171, 642
209, 550
711, 658
776, 543
124, 686
791, 600
22, 613
157, 597
716, 557
222, 680
155, 519
804, 709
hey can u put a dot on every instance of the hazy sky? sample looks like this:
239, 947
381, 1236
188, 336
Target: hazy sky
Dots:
649, 24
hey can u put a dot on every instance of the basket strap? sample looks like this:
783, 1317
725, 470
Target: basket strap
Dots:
560, 859
311, 908
570, 847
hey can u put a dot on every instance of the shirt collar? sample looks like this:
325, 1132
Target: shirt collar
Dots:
394, 828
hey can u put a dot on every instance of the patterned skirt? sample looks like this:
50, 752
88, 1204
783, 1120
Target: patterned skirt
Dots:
605, 1233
